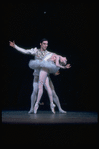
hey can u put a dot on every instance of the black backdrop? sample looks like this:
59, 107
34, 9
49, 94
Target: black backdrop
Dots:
70, 29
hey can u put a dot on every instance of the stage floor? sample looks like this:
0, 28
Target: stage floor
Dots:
47, 117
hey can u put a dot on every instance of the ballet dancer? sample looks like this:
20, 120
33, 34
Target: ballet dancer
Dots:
51, 63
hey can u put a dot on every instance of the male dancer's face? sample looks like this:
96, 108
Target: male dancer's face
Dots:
44, 45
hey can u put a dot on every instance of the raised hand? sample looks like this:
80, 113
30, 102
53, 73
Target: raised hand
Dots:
68, 66
12, 44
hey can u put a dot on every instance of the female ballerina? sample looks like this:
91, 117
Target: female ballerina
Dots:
51, 63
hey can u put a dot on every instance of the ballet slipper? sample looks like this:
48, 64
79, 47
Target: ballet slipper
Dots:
52, 105
36, 108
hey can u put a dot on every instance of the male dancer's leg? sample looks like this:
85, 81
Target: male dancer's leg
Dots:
34, 93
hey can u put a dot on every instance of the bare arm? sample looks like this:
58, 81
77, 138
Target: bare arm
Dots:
57, 63
24, 51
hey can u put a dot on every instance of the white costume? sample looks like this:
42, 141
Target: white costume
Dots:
46, 62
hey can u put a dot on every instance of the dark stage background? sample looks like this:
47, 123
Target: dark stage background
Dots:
70, 29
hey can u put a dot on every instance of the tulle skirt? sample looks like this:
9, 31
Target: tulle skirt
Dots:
38, 64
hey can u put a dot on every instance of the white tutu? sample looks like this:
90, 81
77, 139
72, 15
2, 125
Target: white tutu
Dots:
37, 64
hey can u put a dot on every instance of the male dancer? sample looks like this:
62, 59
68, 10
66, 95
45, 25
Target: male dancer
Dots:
39, 54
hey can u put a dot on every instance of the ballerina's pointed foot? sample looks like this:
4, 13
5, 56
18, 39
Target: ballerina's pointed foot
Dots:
31, 111
52, 105
36, 108
62, 111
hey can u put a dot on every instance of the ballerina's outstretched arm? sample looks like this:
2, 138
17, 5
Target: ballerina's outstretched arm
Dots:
57, 63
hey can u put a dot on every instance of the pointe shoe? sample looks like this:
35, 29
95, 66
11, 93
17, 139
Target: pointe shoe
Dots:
31, 111
35, 108
52, 105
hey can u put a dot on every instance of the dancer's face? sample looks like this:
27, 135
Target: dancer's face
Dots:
44, 45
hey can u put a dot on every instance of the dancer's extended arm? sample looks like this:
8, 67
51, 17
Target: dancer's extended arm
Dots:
24, 51
57, 63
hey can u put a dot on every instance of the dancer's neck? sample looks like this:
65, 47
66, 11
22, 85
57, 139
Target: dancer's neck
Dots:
41, 49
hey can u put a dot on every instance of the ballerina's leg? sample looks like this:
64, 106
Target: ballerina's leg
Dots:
55, 97
47, 86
